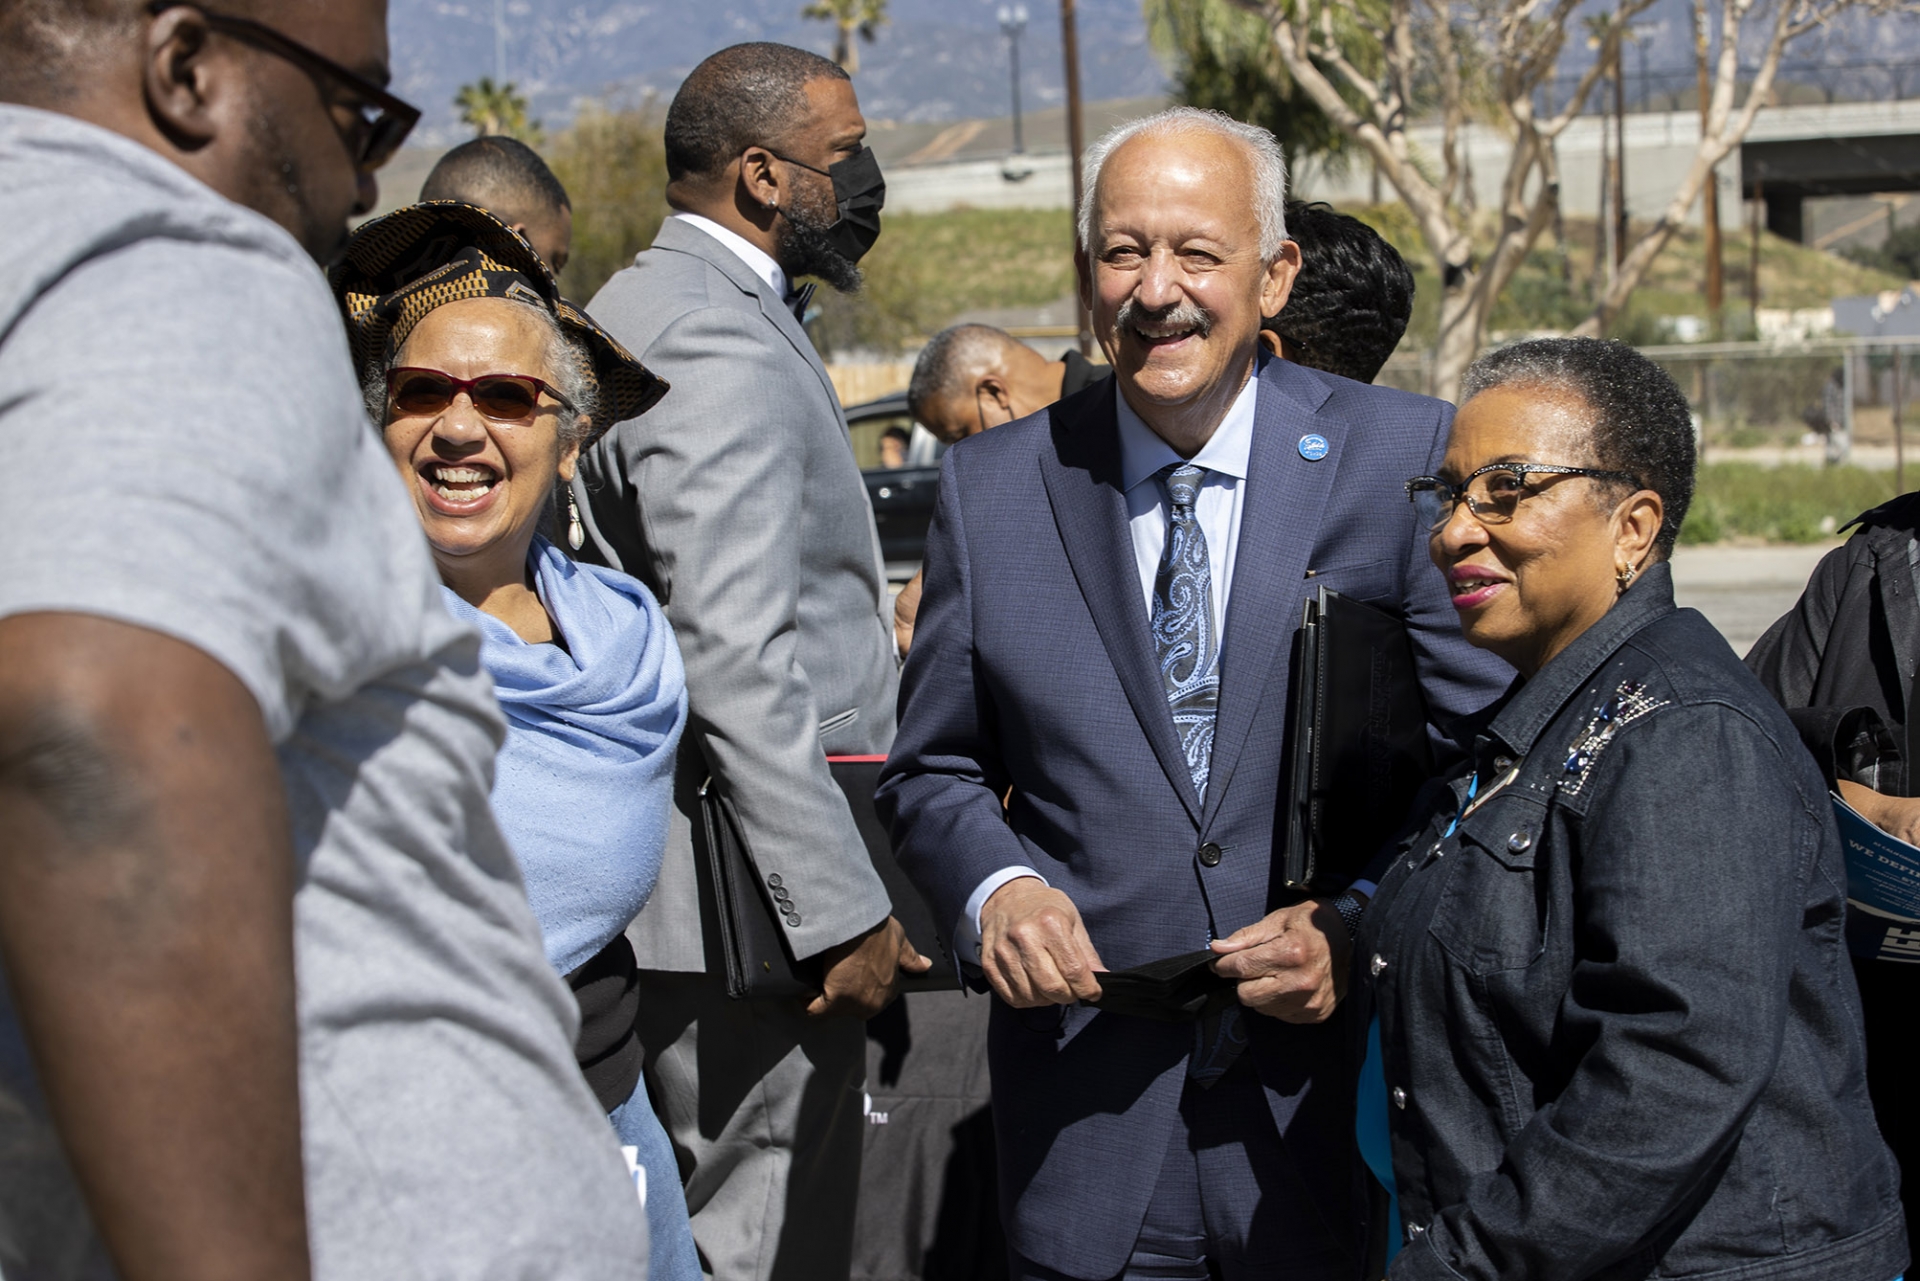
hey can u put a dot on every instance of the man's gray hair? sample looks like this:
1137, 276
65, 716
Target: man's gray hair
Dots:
946, 360
1264, 157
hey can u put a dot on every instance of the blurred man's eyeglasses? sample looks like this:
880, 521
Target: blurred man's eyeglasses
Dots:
381, 121
1492, 493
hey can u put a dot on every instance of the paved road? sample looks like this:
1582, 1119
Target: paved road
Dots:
1742, 590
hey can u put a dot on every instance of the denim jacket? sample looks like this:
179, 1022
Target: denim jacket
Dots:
1620, 1032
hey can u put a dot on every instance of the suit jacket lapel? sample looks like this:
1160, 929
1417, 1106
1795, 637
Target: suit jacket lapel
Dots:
1279, 528
1081, 472
681, 237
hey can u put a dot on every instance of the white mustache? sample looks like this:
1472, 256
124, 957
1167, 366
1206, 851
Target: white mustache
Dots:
1186, 314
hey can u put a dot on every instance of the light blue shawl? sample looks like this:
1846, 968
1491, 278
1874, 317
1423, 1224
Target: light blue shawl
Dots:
585, 780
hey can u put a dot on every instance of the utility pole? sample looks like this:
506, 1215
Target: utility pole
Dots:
1013, 21
1899, 400
1619, 150
1076, 143
1710, 207
1603, 212
499, 43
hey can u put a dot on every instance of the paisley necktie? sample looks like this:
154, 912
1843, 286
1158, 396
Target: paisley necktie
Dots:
1187, 642
1185, 637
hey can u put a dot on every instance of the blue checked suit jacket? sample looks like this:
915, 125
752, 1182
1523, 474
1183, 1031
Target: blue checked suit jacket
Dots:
1033, 670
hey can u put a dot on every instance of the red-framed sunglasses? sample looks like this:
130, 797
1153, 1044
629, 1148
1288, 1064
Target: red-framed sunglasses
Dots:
505, 398
381, 121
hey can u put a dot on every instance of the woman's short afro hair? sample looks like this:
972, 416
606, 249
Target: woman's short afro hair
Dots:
1641, 423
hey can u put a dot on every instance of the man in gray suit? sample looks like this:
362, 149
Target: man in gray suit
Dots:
743, 509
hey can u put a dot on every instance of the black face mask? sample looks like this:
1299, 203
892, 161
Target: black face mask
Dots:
859, 192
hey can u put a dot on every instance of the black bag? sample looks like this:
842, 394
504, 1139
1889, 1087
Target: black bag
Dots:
753, 938
1357, 741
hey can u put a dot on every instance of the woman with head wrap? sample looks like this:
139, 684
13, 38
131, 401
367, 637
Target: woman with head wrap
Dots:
487, 385
1618, 1033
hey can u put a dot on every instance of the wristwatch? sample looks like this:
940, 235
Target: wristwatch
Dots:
1351, 908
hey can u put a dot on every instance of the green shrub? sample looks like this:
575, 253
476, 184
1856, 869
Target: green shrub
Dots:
614, 166
1702, 524
1793, 504
927, 269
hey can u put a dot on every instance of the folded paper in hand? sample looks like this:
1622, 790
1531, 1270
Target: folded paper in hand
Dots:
1883, 889
1175, 989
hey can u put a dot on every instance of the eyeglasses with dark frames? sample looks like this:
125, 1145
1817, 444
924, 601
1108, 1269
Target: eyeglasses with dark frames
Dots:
381, 121
1493, 493
505, 398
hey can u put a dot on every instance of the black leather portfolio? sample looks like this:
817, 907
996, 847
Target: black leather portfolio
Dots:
1357, 746
752, 921
1175, 989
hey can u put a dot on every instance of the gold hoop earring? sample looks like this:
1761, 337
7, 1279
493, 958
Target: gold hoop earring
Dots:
1624, 576
576, 533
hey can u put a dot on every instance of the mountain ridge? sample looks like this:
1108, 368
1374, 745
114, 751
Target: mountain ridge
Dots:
935, 60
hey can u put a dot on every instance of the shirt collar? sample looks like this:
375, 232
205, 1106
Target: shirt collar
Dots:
1142, 453
1533, 704
745, 250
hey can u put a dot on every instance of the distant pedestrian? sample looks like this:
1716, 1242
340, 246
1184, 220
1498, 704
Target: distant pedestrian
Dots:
893, 447
1836, 419
508, 178
740, 504
257, 918
1350, 303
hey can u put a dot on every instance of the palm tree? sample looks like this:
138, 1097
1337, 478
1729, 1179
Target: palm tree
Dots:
849, 17
1223, 57
492, 109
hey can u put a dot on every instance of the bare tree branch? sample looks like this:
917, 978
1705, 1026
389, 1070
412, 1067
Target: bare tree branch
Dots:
1724, 130
1463, 62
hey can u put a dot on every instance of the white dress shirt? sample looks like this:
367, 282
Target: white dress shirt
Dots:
745, 250
1217, 507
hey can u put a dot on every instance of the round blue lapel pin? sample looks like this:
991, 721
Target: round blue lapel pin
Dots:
1314, 447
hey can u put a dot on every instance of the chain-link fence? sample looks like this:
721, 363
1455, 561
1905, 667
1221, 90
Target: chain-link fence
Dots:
1819, 401
1795, 438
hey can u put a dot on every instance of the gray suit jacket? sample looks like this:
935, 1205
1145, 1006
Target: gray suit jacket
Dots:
738, 502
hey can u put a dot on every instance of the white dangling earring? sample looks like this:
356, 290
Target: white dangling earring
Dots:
576, 534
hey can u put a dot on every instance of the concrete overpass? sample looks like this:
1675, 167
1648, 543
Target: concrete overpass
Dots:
1843, 149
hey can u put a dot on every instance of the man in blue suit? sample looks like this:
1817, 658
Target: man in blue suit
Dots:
1111, 588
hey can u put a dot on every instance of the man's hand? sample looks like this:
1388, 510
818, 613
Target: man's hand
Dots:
863, 974
1292, 964
1034, 947
906, 606
1895, 815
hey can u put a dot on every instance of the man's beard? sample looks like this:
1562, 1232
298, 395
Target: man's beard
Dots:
806, 250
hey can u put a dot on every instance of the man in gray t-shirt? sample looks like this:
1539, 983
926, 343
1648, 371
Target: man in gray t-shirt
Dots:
255, 914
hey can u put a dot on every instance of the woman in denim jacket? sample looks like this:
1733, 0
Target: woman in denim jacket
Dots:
1619, 1031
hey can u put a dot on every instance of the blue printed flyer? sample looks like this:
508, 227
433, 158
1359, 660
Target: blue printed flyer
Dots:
1883, 889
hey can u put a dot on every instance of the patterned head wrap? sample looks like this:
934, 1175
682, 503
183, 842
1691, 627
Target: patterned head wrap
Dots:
398, 268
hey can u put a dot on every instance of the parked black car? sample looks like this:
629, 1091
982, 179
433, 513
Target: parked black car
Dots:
902, 497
